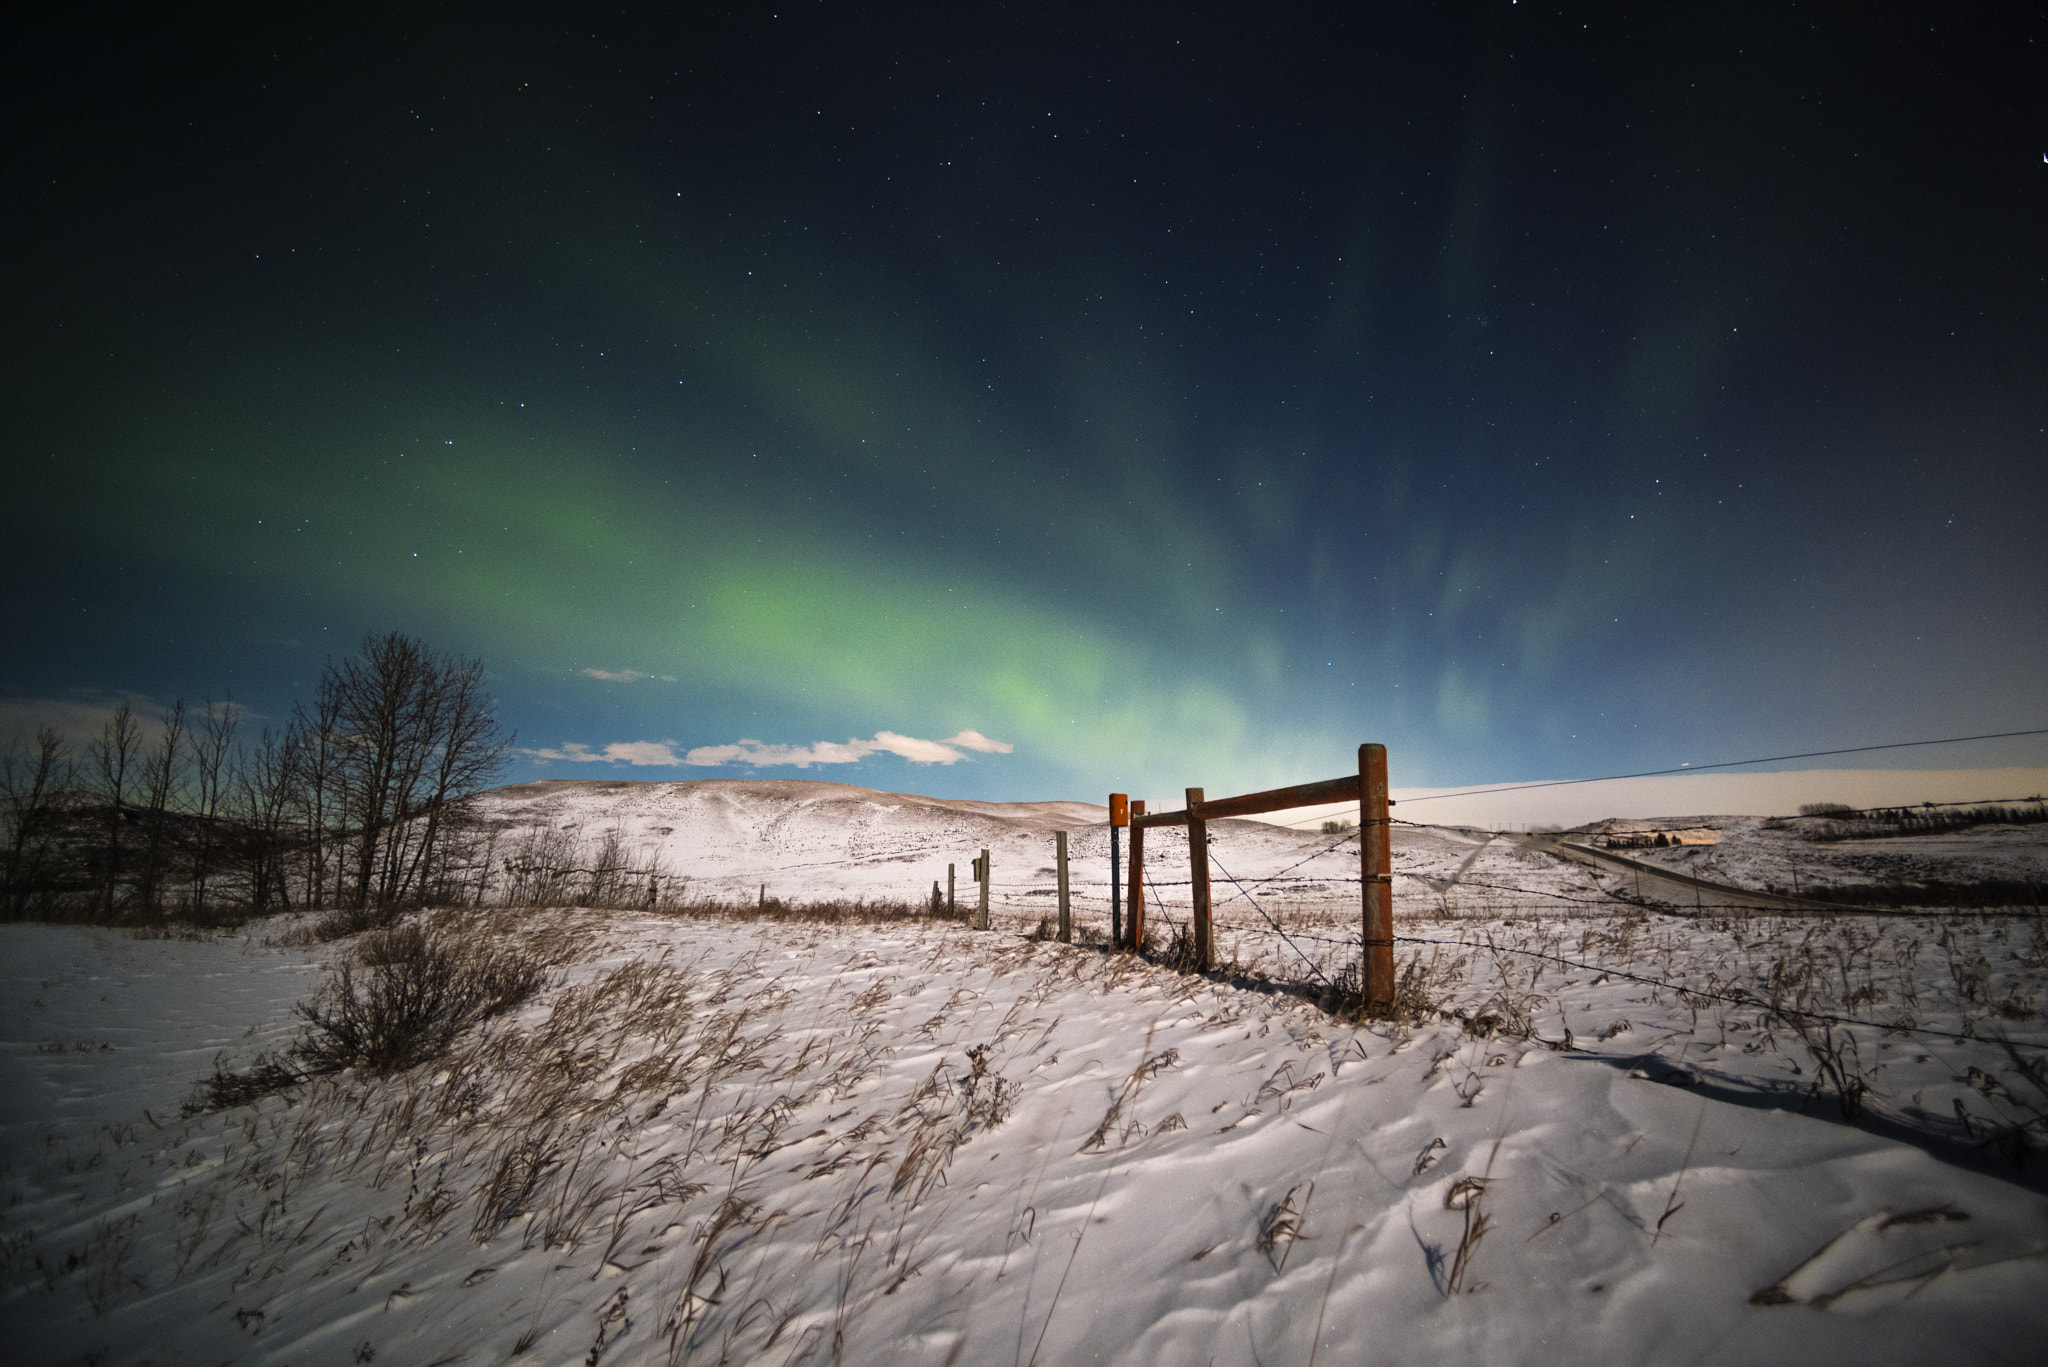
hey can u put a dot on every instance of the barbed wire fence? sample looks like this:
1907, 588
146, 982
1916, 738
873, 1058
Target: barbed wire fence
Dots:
1302, 946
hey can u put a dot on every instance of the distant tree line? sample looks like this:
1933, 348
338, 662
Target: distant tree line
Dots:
1640, 842
361, 800
1841, 822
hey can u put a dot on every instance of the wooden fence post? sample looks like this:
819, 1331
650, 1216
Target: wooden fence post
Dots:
952, 903
1059, 841
1198, 867
1119, 815
1376, 859
981, 921
1137, 899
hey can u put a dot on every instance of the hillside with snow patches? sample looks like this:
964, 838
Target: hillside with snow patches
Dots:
1598, 1132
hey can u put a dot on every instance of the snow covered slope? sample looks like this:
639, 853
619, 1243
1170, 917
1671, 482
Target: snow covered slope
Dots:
796, 1143
1612, 1136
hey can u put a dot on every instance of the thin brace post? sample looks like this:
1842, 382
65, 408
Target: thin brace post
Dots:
1198, 869
1137, 917
981, 920
1059, 840
1119, 815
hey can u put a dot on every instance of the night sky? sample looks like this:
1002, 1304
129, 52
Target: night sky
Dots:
1132, 397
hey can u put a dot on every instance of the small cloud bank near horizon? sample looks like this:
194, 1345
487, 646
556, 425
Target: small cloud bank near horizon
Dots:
755, 754
80, 717
634, 752
626, 675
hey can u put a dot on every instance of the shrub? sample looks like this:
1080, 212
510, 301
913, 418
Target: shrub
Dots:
347, 921
405, 994
225, 1089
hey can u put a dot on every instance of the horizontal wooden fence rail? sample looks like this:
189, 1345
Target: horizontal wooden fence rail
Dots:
1343, 789
1367, 787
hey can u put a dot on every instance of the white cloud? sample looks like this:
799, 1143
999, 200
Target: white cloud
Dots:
634, 752
758, 755
626, 675
974, 740
911, 748
642, 752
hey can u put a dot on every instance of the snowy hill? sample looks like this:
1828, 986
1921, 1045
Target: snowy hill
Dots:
729, 835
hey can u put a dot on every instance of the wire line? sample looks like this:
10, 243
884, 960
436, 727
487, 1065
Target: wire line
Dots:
1724, 764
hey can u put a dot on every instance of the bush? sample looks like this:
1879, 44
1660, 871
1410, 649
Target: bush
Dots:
225, 1089
405, 995
347, 921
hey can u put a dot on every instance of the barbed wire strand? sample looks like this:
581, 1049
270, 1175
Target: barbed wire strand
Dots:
1741, 998
1723, 764
1246, 893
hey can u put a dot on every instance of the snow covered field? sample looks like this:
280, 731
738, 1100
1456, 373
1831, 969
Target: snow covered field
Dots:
728, 1139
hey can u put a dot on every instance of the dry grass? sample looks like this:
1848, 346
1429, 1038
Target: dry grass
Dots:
600, 1118
407, 994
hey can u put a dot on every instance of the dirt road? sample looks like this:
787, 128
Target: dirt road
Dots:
1683, 893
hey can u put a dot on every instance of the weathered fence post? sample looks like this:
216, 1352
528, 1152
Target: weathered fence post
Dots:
952, 903
1137, 940
1376, 857
981, 869
1059, 841
1119, 815
1198, 866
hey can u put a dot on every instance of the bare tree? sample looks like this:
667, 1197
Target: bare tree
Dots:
36, 779
385, 695
266, 795
212, 745
317, 754
113, 757
160, 773
418, 737
466, 753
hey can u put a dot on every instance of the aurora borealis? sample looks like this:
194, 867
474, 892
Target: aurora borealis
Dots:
1173, 396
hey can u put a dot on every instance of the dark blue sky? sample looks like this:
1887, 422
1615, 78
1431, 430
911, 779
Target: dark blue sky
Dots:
1172, 395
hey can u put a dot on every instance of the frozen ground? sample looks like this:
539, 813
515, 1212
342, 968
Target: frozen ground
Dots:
782, 1141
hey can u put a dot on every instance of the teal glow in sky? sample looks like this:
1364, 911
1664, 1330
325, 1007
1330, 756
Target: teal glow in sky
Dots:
997, 407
